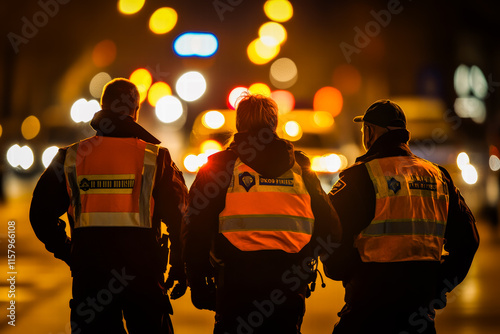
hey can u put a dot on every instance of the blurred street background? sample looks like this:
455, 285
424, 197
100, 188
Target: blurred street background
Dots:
324, 62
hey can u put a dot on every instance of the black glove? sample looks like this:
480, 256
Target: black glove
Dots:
203, 294
180, 288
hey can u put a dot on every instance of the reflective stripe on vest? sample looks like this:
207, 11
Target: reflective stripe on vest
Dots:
267, 213
410, 213
110, 181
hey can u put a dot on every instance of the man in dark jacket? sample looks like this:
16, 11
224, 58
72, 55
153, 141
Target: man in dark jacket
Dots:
117, 187
397, 211
258, 213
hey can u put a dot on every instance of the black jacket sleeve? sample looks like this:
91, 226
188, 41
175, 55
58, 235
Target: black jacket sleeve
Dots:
327, 228
49, 202
353, 197
206, 200
170, 194
461, 238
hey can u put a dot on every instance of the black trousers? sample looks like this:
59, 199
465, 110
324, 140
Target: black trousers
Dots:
383, 319
267, 312
102, 299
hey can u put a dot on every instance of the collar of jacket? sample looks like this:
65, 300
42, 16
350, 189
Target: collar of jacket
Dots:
264, 152
390, 144
111, 124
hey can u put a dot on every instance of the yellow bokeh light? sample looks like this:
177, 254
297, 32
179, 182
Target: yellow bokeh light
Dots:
323, 119
1, 130
293, 130
272, 33
210, 146
260, 53
157, 91
130, 6
30, 127
260, 88
163, 20
278, 10
142, 79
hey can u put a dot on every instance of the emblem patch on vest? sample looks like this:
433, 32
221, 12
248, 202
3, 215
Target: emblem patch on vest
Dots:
86, 184
394, 185
247, 180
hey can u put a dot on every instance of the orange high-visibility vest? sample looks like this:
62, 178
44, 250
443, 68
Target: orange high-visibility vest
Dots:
110, 181
267, 213
410, 213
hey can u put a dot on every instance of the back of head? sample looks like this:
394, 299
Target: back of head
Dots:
121, 96
256, 112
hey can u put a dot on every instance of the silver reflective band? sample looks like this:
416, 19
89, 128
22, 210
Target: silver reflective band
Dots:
266, 223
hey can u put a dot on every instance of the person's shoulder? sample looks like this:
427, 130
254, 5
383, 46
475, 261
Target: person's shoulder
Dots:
354, 169
302, 159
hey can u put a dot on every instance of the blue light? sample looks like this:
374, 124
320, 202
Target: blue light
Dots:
196, 44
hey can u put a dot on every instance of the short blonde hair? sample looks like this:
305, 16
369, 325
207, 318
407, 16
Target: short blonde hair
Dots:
255, 112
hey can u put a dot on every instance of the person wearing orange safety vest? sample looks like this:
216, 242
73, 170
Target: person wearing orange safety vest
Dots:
257, 221
399, 213
116, 187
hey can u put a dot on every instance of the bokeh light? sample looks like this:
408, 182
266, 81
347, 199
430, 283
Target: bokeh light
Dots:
272, 33
1, 130
191, 163
283, 73
157, 91
143, 80
83, 110
163, 20
260, 53
97, 84
104, 53
30, 127
470, 107
213, 119
130, 6
462, 160
191, 86
461, 80
210, 147
284, 99
278, 10
328, 99
323, 119
494, 163
469, 174
235, 96
169, 109
293, 130
478, 82
200, 44
260, 88
48, 155
18, 156
347, 79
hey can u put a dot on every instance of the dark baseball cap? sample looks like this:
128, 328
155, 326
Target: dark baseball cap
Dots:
383, 113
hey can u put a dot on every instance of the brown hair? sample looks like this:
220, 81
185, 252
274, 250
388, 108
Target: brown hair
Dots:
255, 112
122, 96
